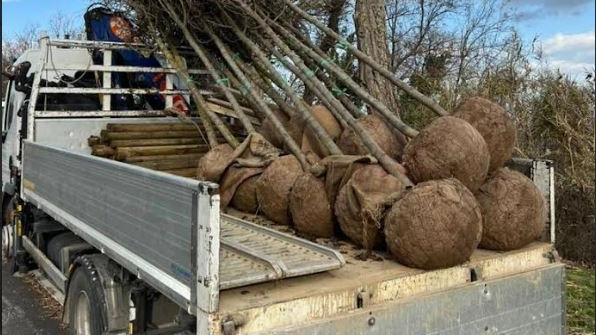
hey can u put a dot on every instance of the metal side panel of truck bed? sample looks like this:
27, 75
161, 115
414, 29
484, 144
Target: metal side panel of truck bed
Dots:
525, 303
162, 228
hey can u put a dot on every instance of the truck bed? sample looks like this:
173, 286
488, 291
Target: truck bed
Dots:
367, 285
90, 194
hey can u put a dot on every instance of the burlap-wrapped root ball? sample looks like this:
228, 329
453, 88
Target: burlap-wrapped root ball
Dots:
329, 123
274, 186
436, 224
311, 212
448, 147
495, 126
513, 209
238, 188
214, 162
359, 206
351, 144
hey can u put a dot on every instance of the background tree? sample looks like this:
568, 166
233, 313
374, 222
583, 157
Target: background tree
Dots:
58, 26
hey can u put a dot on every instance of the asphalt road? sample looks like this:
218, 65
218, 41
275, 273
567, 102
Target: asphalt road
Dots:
22, 313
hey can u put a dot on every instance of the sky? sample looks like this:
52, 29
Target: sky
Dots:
564, 28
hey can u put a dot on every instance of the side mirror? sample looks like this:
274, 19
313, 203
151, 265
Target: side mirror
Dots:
4, 133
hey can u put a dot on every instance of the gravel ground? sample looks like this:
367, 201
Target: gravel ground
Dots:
23, 312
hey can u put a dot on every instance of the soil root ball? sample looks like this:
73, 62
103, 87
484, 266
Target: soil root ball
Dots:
448, 147
274, 186
235, 188
495, 126
351, 144
269, 132
436, 224
322, 115
245, 198
214, 162
311, 212
360, 205
513, 209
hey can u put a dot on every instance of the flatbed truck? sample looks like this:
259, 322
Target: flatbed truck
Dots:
137, 251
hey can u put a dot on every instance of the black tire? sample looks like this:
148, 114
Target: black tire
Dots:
10, 252
85, 287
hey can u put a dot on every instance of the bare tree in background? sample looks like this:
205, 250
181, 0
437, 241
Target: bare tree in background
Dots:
58, 26
371, 29
62, 25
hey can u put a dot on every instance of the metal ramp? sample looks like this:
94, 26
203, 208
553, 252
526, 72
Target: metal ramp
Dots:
253, 254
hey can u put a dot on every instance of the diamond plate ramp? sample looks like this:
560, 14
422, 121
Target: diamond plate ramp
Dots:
253, 254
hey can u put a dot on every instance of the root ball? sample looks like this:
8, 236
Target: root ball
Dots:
448, 147
495, 126
322, 115
214, 162
269, 132
513, 209
359, 206
310, 208
274, 186
245, 198
436, 224
351, 144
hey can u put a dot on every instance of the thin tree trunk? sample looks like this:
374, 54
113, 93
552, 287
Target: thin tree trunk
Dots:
194, 91
300, 68
292, 146
304, 112
371, 62
335, 8
326, 79
350, 83
200, 51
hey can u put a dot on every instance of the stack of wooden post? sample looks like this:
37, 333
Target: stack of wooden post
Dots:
169, 147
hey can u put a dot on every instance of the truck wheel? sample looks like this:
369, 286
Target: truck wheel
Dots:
8, 247
86, 301
8, 210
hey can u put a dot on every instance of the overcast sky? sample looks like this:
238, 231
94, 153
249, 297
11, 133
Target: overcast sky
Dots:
565, 28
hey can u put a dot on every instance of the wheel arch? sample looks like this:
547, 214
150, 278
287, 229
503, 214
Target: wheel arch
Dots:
113, 287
